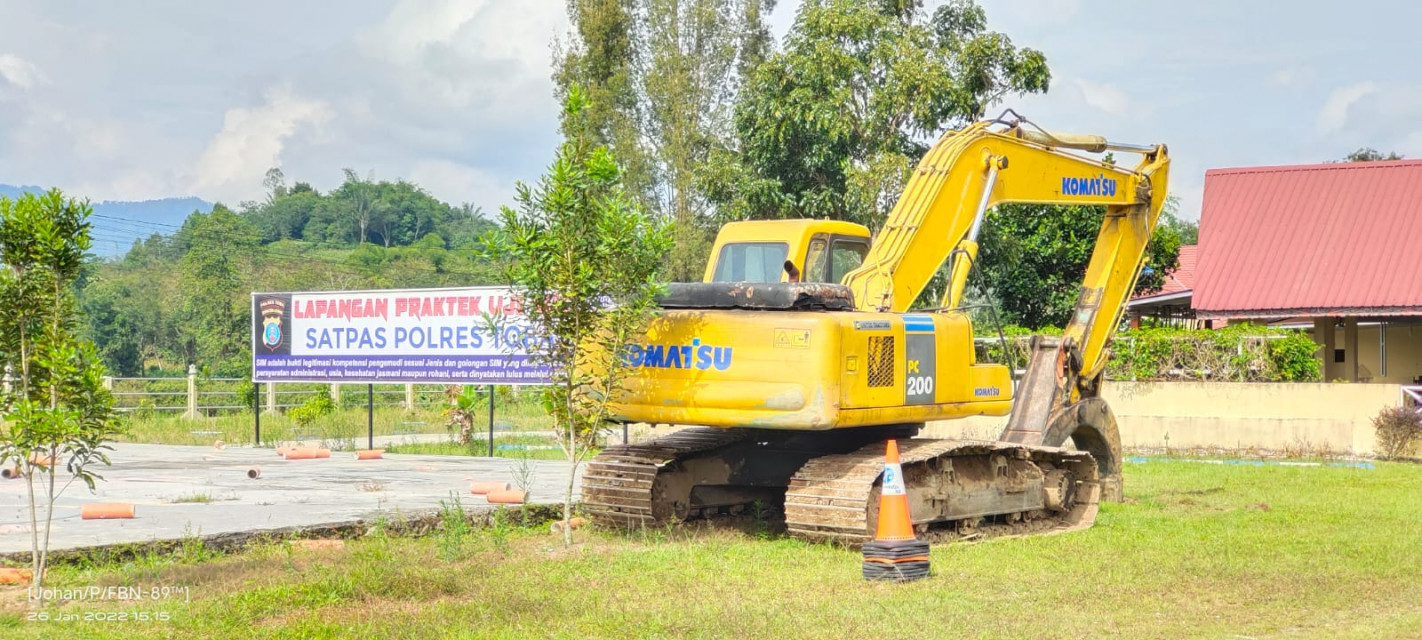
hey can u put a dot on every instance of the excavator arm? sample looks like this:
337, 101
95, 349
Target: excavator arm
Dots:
940, 214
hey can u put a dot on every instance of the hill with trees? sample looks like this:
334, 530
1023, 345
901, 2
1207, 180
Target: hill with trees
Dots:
182, 297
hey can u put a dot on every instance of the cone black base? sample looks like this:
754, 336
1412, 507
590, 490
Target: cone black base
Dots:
897, 560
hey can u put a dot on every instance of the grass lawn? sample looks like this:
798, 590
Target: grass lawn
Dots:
1198, 551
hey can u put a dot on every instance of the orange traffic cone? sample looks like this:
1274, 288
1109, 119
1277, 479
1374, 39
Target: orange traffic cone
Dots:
895, 554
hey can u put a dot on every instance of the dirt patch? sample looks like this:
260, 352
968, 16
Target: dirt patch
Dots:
1194, 492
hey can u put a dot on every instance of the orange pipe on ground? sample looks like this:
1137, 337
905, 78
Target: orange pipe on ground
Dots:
106, 511
9, 473
41, 461
370, 454
307, 453
281, 451
254, 473
482, 488
575, 522
510, 496
11, 575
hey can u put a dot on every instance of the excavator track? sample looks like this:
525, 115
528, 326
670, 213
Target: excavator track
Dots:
835, 498
705, 471
969, 487
619, 485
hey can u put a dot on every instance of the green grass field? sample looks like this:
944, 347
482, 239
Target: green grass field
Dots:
1197, 551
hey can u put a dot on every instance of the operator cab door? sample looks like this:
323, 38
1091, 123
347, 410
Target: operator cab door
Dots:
830, 257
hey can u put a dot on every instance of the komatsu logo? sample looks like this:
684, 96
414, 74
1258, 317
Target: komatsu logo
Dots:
1098, 186
988, 392
678, 356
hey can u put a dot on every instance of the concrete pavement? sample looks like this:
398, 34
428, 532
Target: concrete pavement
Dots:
181, 491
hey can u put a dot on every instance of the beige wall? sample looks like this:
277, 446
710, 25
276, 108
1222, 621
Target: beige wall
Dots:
1273, 416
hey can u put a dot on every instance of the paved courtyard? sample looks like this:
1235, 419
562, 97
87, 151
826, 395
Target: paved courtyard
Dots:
201, 491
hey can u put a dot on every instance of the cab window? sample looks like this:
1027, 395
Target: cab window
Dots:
751, 262
846, 256
814, 268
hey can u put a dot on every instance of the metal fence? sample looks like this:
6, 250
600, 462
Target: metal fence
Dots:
198, 396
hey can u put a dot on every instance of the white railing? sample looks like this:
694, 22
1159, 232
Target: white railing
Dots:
1411, 396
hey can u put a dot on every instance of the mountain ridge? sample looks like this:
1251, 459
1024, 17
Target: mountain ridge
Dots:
117, 223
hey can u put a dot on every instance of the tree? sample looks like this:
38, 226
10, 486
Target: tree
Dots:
663, 76
1032, 259
599, 59
557, 247
1188, 230
1369, 154
832, 126
58, 411
360, 202
222, 253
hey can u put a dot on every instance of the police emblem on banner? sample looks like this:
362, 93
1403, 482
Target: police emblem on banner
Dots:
273, 334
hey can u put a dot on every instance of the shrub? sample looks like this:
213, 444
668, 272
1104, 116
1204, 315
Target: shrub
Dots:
1398, 429
316, 406
1239, 353
1293, 358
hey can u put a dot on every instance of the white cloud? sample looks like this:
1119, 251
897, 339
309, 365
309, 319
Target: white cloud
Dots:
413, 25
457, 183
250, 142
18, 71
1106, 97
1334, 114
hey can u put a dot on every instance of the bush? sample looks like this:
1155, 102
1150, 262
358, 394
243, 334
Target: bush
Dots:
1293, 358
1238, 353
314, 408
1398, 430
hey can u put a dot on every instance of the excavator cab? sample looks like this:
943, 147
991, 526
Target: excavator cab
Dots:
820, 251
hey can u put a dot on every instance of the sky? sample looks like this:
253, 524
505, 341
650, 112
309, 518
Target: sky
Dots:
142, 100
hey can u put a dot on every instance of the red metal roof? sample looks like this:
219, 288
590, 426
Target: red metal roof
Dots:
1323, 239
1181, 278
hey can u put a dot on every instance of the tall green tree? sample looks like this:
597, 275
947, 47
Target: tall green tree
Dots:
696, 51
600, 57
221, 255
832, 125
57, 411
556, 247
663, 76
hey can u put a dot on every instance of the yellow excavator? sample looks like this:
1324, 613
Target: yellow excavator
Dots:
798, 356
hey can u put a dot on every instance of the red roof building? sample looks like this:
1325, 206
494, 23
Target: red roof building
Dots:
1339, 244
1172, 303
